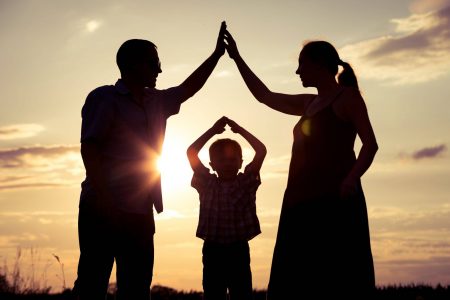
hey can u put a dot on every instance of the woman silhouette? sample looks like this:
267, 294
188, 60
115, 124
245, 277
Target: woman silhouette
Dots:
323, 242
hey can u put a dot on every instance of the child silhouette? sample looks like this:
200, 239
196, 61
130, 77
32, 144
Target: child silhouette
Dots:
227, 219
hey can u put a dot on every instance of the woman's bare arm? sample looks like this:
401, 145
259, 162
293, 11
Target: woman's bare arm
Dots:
355, 111
288, 104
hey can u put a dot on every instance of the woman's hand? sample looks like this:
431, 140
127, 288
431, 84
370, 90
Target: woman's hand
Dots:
231, 45
349, 187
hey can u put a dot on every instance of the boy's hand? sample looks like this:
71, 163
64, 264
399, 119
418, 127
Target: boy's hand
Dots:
220, 45
234, 126
231, 45
219, 126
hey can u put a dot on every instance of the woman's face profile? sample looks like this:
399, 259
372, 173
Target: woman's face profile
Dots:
307, 70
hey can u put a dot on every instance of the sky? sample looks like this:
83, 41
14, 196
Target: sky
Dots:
54, 53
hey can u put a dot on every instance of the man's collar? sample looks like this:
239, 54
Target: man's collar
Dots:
121, 87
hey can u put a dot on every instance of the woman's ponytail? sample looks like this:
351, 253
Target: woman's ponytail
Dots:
347, 77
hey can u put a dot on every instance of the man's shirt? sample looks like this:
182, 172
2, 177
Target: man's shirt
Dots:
130, 138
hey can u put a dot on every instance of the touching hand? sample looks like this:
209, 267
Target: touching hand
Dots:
220, 45
231, 45
219, 126
234, 126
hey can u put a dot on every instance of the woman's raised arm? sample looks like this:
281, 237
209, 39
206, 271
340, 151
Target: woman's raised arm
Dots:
288, 104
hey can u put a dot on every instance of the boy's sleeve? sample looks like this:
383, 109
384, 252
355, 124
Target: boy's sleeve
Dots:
97, 117
200, 179
250, 182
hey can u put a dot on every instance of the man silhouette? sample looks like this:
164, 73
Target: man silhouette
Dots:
122, 132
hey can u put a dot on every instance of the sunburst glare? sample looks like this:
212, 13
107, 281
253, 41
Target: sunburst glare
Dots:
174, 166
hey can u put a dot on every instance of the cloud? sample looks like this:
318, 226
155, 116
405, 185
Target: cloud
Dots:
432, 270
423, 6
411, 244
429, 152
35, 156
12, 178
40, 167
391, 219
92, 25
417, 51
276, 167
223, 74
432, 152
20, 131
30, 185
177, 68
40, 227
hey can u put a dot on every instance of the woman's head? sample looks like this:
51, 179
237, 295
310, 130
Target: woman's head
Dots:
322, 55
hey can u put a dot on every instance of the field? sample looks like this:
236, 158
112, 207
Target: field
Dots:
14, 285
407, 292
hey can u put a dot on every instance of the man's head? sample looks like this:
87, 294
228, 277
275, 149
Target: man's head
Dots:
225, 158
138, 62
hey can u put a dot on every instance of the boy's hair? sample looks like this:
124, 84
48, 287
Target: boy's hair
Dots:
222, 145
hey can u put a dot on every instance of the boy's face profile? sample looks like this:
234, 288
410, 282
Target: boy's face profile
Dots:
226, 163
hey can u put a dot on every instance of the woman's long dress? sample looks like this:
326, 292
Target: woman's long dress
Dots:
323, 243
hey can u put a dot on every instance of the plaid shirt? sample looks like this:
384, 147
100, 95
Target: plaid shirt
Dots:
227, 209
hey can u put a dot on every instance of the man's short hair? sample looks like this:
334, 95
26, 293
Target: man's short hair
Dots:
134, 51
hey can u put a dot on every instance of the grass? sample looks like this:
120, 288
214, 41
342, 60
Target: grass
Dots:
393, 292
14, 285
14, 282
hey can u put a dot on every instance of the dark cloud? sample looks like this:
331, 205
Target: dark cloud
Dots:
429, 152
40, 167
432, 270
431, 260
31, 185
419, 42
417, 51
13, 178
22, 157
8, 131
17, 131
391, 220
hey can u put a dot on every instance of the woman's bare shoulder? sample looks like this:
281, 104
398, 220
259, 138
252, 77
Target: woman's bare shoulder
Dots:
350, 101
349, 97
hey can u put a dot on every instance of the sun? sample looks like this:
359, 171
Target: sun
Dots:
174, 166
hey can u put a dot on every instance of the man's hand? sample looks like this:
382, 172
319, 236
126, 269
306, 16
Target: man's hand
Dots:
220, 45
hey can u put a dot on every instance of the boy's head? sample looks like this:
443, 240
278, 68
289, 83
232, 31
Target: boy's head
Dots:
225, 158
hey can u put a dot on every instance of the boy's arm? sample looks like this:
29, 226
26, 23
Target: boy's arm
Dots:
194, 149
197, 79
257, 145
